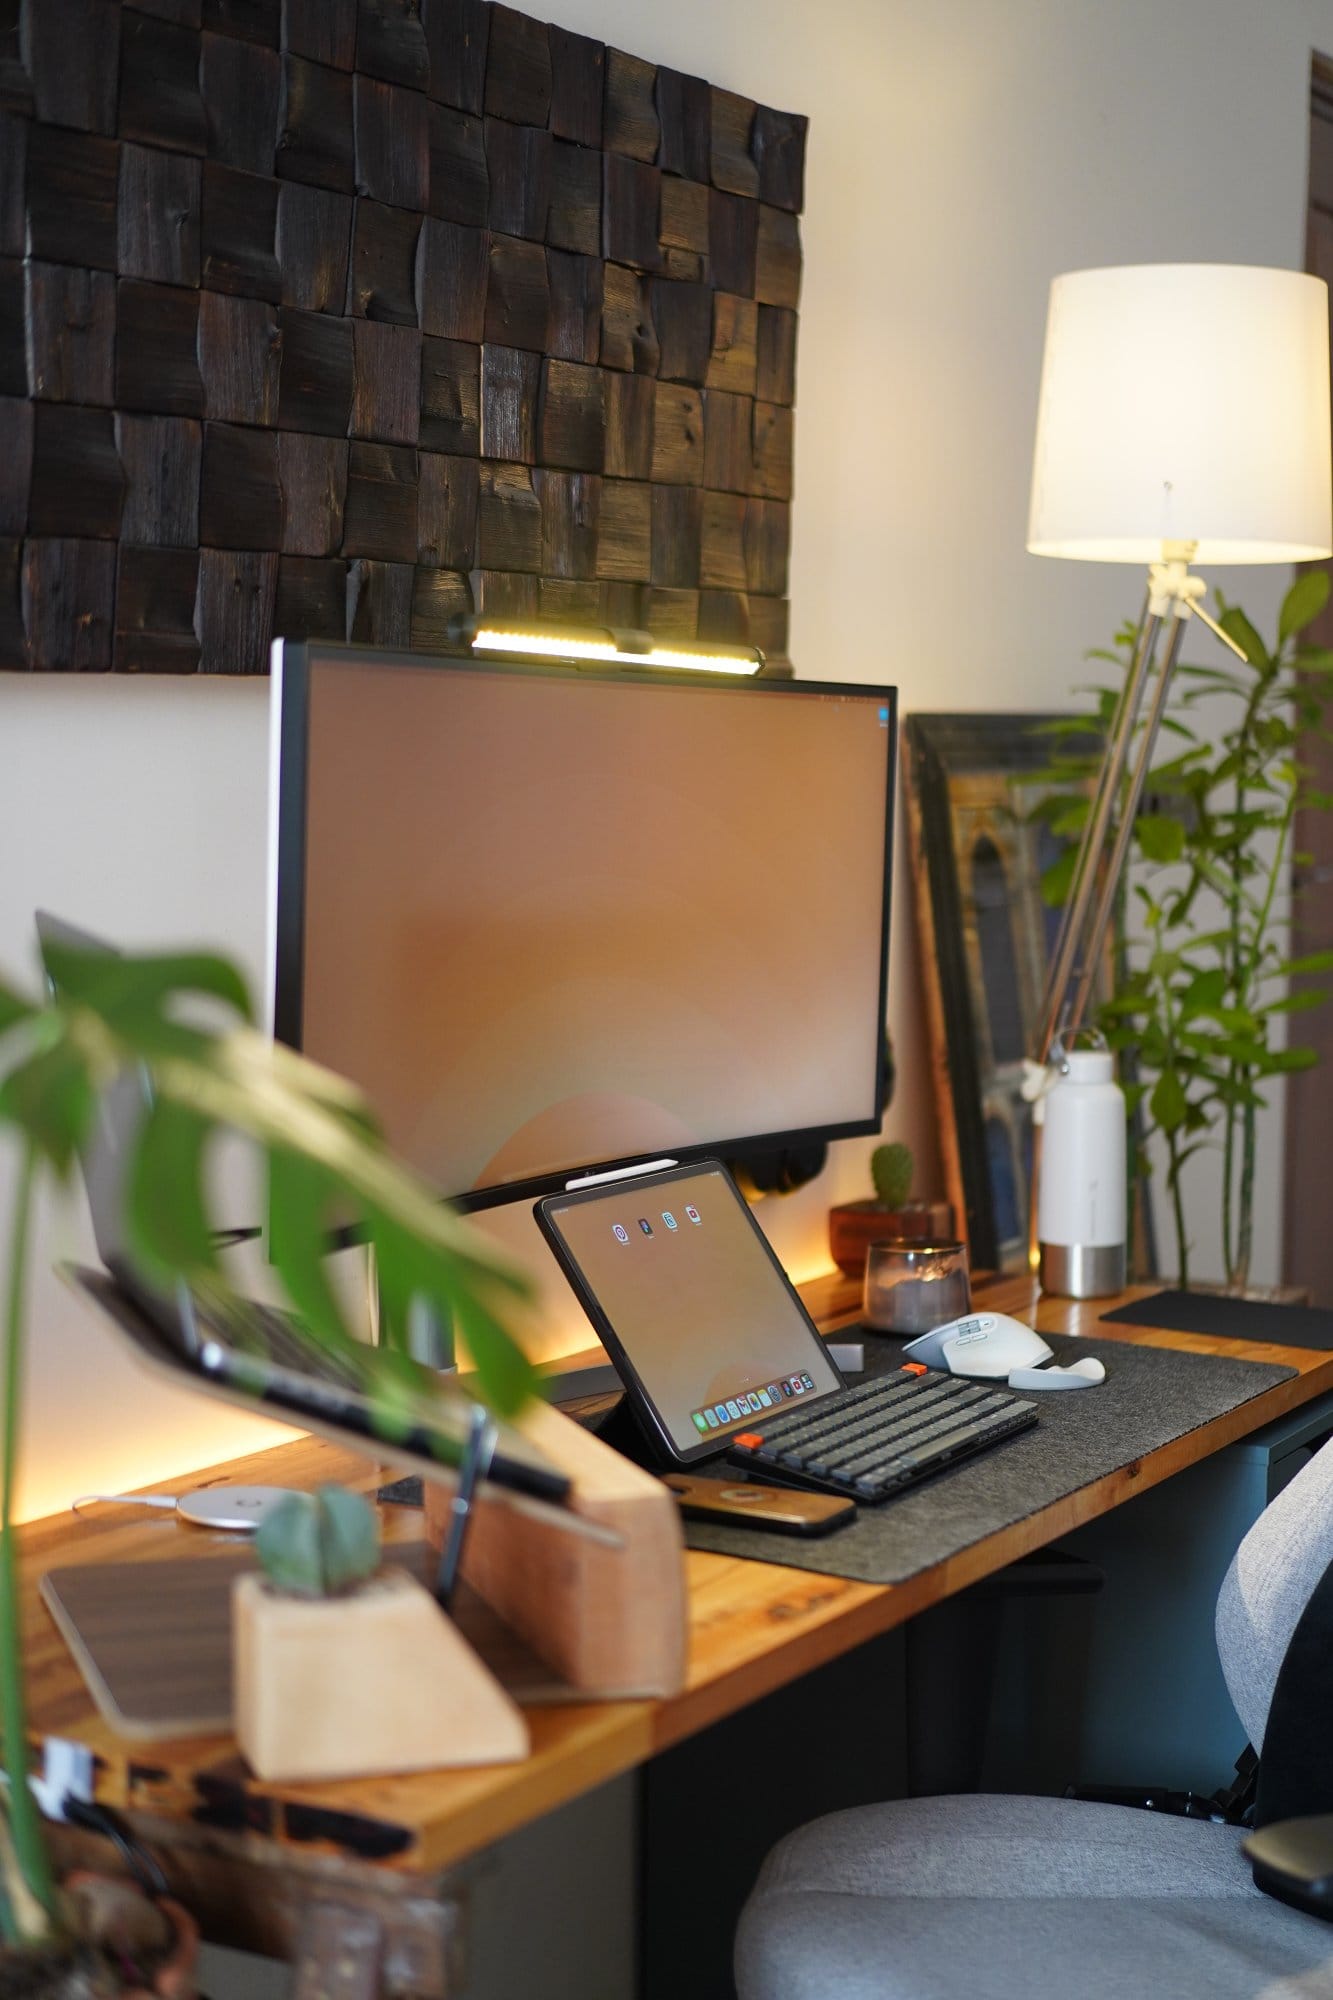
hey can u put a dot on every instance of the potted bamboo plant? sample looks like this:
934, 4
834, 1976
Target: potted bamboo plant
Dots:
186, 1019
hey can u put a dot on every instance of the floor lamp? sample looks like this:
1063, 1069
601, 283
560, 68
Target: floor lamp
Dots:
1183, 418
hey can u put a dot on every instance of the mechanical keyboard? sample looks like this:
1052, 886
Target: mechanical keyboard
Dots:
871, 1441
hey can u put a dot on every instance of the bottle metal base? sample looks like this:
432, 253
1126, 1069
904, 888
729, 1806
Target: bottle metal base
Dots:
1082, 1270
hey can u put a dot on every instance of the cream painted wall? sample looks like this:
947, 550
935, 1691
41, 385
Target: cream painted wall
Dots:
960, 155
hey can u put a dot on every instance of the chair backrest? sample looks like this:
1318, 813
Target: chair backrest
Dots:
1268, 1586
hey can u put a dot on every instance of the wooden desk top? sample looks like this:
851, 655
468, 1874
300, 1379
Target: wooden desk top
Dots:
754, 1627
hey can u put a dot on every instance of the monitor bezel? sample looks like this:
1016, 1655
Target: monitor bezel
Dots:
292, 665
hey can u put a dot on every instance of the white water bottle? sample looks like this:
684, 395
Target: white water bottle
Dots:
1081, 1191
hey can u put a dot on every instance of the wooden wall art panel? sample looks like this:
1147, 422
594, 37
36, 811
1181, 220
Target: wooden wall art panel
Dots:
338, 318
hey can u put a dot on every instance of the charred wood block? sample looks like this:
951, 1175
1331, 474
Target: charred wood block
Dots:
683, 316
777, 277
728, 441
72, 52
722, 542
379, 603
16, 426
71, 319
69, 595
767, 544
574, 332
731, 143
733, 242
569, 600
733, 363
768, 627
775, 378
381, 516
460, 182
13, 638
313, 474
671, 614
72, 197
157, 364
518, 162
78, 483
629, 338
620, 604
157, 213
779, 148
517, 294
240, 84
630, 403
391, 42
453, 262
315, 387
13, 339
689, 266
189, 13
572, 423
630, 110
156, 591
724, 617
451, 396
447, 511
239, 233
13, 184
509, 520
383, 282
518, 69
439, 596
311, 601
160, 104
233, 614
315, 138
684, 219
772, 451
510, 379
578, 70
499, 593
323, 31
391, 127
161, 457
240, 491
625, 532
631, 204
574, 220
677, 525
240, 351
456, 34
249, 20
685, 112
571, 509
314, 246
678, 435
386, 401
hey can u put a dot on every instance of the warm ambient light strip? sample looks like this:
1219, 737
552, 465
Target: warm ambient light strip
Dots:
556, 646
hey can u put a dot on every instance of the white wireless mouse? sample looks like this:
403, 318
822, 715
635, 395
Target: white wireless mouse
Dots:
986, 1345
1084, 1374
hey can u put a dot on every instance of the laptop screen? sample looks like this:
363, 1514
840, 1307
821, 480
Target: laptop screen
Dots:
677, 1275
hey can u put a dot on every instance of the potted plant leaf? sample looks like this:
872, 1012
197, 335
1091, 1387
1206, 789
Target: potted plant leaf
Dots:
854, 1225
186, 1021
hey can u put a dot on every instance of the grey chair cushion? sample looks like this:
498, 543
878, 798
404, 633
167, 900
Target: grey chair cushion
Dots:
935, 1899
1268, 1585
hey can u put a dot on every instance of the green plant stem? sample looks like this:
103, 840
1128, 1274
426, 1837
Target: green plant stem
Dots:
1178, 1211
28, 1918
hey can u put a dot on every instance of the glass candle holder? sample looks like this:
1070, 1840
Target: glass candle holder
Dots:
913, 1287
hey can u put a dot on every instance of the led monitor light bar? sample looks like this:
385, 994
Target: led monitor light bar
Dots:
616, 648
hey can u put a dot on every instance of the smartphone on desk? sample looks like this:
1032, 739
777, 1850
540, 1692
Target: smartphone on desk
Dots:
746, 1504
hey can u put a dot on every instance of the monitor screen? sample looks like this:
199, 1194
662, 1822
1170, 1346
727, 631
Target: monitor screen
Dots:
555, 918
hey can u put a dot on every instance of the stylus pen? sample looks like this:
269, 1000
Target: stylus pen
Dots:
476, 1464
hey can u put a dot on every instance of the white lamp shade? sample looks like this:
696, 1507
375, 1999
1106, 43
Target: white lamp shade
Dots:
1184, 403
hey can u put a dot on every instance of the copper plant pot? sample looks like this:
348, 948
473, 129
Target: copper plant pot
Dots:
854, 1225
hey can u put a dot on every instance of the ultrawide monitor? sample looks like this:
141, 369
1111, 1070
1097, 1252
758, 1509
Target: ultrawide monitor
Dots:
555, 918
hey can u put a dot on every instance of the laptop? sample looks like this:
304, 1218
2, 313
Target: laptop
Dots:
719, 1358
248, 1351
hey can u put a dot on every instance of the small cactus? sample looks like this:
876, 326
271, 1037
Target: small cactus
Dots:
320, 1544
891, 1171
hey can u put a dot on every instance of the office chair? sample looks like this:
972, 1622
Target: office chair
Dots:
934, 1898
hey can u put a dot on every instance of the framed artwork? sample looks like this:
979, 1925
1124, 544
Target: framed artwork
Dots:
978, 856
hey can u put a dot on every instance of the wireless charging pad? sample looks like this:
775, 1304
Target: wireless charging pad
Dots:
243, 1508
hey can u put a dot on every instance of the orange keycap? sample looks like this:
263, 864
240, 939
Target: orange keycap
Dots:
750, 1439
915, 1368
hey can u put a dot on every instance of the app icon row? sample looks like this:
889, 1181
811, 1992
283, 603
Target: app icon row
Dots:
621, 1234
750, 1402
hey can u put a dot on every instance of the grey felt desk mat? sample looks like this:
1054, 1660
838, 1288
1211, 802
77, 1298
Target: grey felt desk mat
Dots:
1151, 1396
